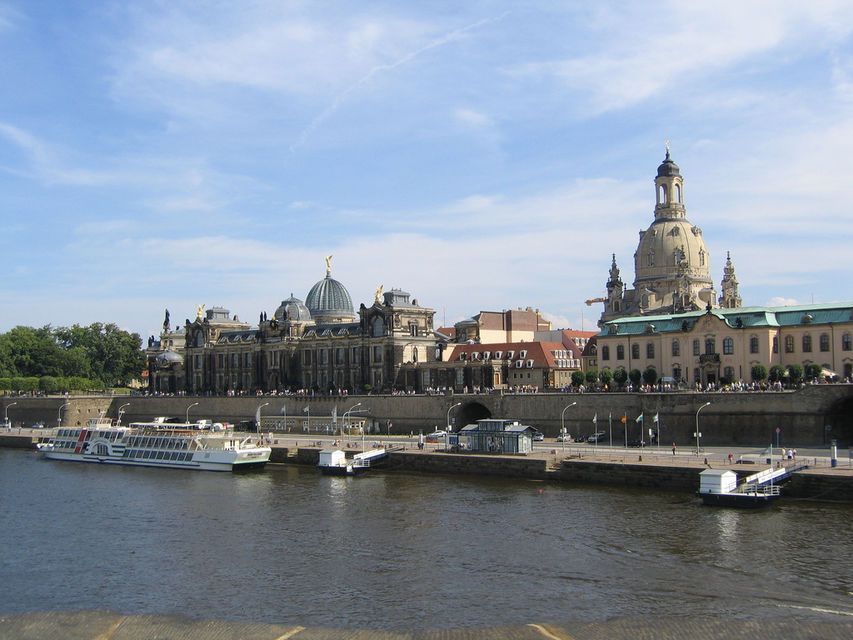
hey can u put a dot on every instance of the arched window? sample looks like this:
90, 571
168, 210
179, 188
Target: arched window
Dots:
605, 352
753, 344
729, 374
678, 193
415, 354
676, 349
635, 351
846, 342
661, 194
620, 352
789, 344
701, 257
807, 343
710, 346
650, 349
824, 342
728, 346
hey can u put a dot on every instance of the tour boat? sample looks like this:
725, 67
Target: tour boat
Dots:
197, 445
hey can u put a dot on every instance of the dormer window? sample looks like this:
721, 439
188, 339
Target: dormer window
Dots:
522, 353
498, 355
510, 355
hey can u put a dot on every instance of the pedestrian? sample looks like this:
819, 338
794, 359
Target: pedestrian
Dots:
673, 448
731, 457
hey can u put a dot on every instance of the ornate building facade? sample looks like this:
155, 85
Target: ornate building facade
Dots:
321, 344
671, 264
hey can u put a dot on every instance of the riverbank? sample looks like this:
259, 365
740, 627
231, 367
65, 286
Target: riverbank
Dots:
647, 469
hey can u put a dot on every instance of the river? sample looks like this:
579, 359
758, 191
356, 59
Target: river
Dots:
392, 551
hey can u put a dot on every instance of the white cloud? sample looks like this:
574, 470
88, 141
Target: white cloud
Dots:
472, 118
782, 302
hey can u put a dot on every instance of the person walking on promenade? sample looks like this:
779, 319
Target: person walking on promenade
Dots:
673, 448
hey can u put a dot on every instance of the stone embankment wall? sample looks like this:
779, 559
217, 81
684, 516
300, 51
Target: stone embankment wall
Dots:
808, 417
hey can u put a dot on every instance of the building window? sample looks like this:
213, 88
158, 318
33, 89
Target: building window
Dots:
807, 343
701, 257
635, 351
846, 342
676, 373
676, 349
775, 344
605, 352
753, 344
696, 351
824, 342
234, 361
620, 351
306, 357
710, 346
789, 344
377, 354
728, 346
650, 349
729, 374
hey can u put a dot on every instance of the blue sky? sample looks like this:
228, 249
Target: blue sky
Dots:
481, 155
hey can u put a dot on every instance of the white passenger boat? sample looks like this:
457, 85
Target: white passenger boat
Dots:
197, 445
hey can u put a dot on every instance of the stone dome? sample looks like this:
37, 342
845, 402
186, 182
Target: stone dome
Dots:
168, 358
292, 309
670, 248
329, 301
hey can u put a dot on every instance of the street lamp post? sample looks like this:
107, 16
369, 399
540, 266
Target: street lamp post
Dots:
6, 415
59, 416
344, 417
188, 412
447, 431
699, 435
121, 412
258, 414
563, 423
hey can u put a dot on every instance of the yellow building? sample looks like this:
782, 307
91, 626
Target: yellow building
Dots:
719, 346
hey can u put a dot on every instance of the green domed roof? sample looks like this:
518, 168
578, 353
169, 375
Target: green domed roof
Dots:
329, 298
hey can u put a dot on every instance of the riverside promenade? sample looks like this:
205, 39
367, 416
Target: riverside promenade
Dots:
101, 625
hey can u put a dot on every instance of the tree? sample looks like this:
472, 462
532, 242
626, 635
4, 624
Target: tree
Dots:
650, 376
591, 377
759, 372
577, 378
635, 375
115, 356
605, 377
777, 373
813, 371
795, 372
620, 376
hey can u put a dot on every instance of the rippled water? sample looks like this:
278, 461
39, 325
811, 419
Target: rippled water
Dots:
402, 551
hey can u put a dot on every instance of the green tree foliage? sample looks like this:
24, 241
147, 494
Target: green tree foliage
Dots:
635, 375
777, 373
650, 376
605, 377
759, 372
620, 376
813, 371
795, 372
591, 376
578, 378
70, 357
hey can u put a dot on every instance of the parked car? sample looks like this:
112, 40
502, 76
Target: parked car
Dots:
435, 436
564, 437
636, 443
538, 436
598, 436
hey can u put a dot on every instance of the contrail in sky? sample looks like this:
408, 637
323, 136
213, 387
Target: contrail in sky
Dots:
438, 42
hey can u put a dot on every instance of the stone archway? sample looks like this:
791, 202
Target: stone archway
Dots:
838, 423
469, 413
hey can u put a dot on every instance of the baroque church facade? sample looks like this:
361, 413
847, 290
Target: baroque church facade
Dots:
671, 264
673, 322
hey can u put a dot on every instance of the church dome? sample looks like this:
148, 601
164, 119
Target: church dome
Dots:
329, 301
669, 249
292, 309
668, 168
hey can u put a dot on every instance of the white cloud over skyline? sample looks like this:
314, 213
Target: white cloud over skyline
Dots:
481, 156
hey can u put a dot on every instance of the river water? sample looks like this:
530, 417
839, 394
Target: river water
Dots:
389, 551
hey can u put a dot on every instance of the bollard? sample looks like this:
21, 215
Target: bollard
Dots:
833, 456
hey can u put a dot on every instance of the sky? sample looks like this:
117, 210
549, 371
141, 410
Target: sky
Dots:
481, 155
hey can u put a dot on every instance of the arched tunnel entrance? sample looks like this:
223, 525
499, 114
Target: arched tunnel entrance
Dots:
838, 423
470, 412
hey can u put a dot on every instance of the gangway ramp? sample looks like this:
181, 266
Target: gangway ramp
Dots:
763, 480
366, 458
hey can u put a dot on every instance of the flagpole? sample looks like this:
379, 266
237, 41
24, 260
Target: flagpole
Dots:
610, 425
